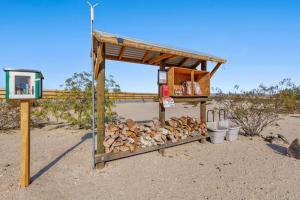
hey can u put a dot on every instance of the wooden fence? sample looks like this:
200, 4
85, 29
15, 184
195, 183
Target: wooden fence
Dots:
122, 96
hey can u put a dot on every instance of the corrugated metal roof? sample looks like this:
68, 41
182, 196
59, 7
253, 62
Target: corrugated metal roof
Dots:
136, 50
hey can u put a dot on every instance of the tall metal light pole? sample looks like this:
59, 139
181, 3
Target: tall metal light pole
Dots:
93, 78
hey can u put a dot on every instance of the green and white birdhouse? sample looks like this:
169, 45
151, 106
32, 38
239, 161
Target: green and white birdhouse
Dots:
23, 84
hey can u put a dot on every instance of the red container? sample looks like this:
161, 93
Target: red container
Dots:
165, 90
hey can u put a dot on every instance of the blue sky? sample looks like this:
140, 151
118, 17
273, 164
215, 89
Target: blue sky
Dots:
260, 39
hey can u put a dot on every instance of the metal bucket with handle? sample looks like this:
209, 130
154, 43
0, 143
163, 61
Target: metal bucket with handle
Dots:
232, 131
216, 133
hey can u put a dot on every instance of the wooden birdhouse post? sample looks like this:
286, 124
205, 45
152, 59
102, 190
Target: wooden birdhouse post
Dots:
24, 85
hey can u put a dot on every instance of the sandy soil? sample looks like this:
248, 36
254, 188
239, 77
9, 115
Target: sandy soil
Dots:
61, 166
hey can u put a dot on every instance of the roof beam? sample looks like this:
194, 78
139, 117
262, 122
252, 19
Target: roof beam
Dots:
166, 60
215, 69
147, 52
182, 61
124, 59
204, 65
122, 52
161, 58
196, 64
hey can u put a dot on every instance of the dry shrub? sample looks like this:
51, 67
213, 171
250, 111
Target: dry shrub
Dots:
9, 115
257, 109
74, 106
251, 112
39, 116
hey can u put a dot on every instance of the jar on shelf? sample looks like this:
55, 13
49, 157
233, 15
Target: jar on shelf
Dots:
197, 88
187, 87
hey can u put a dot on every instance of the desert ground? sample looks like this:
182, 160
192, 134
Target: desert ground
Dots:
61, 165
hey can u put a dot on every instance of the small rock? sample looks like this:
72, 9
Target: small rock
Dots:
294, 149
229, 163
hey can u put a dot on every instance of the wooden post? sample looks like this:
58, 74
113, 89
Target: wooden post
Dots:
25, 143
162, 111
100, 98
203, 103
161, 107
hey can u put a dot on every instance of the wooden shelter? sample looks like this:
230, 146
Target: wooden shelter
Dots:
179, 63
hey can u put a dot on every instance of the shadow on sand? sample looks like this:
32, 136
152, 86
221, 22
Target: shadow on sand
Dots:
51, 164
278, 149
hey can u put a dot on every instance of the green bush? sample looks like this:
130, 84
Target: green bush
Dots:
75, 104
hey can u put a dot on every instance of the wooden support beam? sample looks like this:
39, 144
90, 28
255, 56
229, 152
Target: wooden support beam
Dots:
215, 69
122, 52
196, 64
161, 58
99, 59
204, 65
25, 143
182, 61
160, 94
95, 42
100, 96
147, 52
203, 103
203, 111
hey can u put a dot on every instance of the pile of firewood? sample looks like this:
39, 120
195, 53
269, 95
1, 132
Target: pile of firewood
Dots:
127, 135
181, 128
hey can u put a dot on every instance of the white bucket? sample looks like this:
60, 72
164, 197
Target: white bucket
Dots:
217, 136
216, 133
232, 133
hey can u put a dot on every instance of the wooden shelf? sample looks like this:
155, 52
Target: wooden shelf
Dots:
191, 99
203, 78
183, 96
177, 75
105, 157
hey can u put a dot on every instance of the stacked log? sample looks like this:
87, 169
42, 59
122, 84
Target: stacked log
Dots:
126, 135
181, 128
